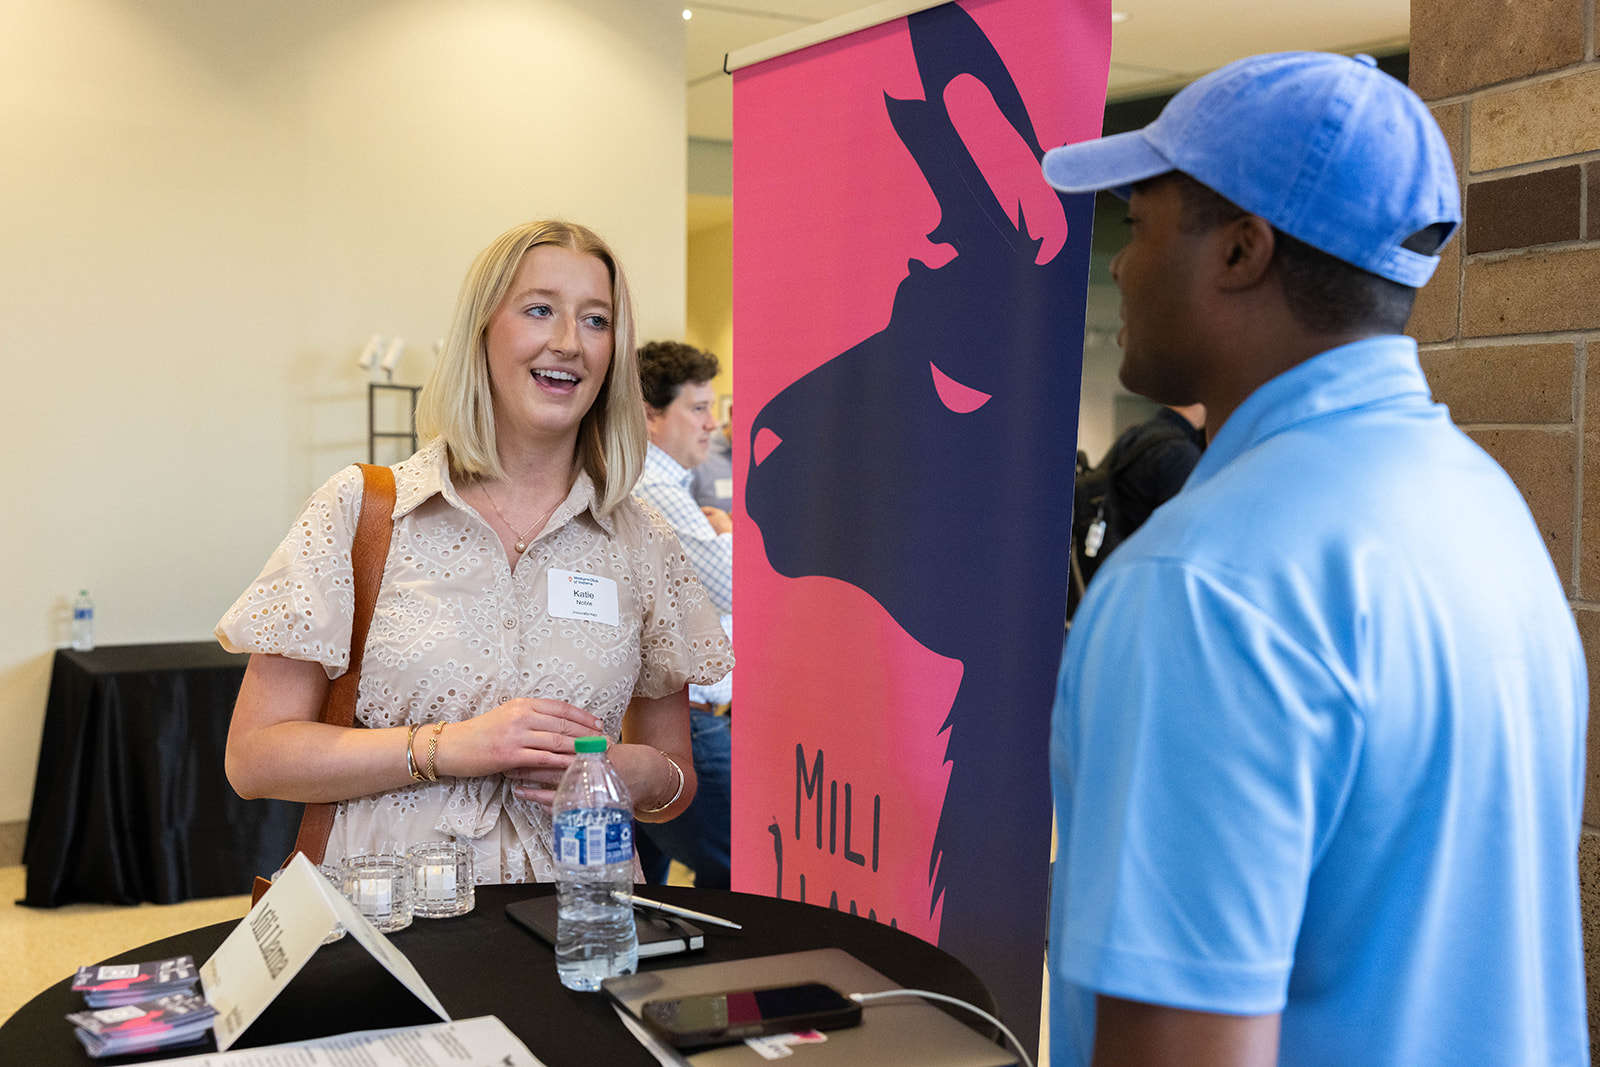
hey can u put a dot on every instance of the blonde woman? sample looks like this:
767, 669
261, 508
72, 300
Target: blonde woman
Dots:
474, 656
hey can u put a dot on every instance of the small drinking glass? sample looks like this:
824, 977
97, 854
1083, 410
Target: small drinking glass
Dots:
380, 888
441, 879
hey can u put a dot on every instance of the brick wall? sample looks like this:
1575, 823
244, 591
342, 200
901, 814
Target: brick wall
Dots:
1508, 323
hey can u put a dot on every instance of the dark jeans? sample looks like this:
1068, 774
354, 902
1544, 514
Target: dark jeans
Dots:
700, 837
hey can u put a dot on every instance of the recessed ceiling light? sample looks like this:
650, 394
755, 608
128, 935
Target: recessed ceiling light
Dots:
687, 14
1116, 16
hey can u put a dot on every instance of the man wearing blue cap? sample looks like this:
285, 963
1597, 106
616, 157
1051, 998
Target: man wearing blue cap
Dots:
1318, 743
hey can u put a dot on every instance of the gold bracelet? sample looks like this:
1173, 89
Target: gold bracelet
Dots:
678, 793
433, 745
411, 755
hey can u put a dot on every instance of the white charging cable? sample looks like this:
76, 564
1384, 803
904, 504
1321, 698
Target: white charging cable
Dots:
862, 998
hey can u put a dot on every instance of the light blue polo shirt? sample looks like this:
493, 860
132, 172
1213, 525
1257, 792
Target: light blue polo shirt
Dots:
1318, 743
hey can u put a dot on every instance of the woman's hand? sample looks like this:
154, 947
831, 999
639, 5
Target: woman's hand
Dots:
527, 740
655, 736
277, 748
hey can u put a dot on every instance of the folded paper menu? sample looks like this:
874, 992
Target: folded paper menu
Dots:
272, 943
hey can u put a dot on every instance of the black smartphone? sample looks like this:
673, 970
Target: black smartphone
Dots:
726, 1018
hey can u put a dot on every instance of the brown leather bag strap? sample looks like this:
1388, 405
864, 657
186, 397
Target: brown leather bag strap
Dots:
368, 554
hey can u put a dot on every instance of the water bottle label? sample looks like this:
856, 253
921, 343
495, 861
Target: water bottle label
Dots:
594, 837
82, 613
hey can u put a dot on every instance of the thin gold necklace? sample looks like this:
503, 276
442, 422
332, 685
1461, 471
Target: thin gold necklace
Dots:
522, 541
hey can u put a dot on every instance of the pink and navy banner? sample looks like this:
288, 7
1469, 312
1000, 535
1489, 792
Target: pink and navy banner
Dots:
909, 311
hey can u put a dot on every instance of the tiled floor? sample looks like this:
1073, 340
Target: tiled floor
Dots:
41, 946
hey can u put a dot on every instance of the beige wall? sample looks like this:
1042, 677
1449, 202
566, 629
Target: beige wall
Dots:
710, 299
1506, 324
207, 208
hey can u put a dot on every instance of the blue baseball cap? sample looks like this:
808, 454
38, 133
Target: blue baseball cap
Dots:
1326, 148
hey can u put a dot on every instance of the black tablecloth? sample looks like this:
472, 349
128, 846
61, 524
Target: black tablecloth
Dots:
131, 802
484, 964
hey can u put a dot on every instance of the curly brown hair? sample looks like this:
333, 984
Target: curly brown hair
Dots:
664, 367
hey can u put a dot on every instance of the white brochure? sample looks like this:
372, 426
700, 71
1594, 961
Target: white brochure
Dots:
273, 942
480, 1042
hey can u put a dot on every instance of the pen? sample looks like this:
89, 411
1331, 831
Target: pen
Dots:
673, 909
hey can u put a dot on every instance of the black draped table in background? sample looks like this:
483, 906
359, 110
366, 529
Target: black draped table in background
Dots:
131, 802
484, 964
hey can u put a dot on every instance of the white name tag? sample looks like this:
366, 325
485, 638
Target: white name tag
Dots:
724, 487
582, 596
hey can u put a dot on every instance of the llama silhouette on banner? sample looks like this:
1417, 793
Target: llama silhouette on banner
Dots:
929, 466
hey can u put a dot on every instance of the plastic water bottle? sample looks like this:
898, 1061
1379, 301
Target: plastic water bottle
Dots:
593, 815
83, 622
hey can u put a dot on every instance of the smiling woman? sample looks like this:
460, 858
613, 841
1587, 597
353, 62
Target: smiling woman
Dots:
549, 346
535, 414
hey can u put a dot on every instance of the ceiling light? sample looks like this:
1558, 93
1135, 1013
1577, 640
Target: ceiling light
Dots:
687, 14
1116, 16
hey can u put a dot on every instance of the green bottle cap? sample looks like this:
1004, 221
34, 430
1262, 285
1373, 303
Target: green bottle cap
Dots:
590, 744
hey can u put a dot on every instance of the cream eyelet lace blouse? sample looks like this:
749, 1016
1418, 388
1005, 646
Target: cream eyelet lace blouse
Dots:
458, 629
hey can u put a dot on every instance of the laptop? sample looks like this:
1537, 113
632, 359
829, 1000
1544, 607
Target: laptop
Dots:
898, 1032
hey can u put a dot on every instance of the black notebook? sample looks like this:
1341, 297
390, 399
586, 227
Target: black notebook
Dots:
659, 934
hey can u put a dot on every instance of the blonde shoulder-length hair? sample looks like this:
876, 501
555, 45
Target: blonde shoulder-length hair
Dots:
457, 405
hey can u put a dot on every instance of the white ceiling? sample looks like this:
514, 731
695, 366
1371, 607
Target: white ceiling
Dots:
1161, 45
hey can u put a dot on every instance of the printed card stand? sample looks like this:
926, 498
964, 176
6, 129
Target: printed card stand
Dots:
250, 979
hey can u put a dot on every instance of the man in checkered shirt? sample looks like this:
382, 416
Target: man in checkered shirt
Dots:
680, 415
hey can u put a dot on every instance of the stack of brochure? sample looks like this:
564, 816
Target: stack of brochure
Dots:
111, 985
140, 1007
168, 1022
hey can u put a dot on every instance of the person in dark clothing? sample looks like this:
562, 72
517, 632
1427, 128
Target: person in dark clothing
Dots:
1154, 476
1143, 469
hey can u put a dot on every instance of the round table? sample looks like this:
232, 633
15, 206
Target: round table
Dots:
484, 964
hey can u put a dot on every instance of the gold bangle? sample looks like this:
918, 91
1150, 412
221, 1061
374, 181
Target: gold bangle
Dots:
411, 755
433, 746
678, 793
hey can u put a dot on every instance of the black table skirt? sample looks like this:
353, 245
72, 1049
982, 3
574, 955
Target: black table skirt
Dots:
484, 964
131, 802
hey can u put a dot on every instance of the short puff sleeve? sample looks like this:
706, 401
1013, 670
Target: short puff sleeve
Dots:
681, 640
302, 604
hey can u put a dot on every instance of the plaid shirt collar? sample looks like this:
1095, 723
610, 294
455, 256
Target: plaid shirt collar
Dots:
663, 468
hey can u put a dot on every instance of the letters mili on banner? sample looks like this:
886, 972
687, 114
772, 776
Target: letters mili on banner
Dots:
909, 308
